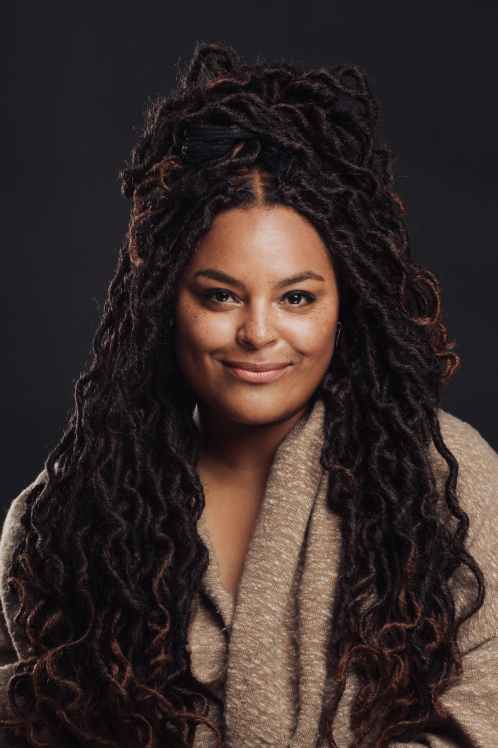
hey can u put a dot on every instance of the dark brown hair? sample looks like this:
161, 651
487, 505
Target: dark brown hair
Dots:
110, 560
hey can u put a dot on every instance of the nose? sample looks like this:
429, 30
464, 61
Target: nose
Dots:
256, 328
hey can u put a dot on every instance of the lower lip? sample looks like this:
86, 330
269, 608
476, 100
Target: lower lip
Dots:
256, 376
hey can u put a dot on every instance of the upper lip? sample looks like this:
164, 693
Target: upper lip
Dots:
255, 367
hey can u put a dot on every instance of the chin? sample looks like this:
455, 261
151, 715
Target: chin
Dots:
258, 409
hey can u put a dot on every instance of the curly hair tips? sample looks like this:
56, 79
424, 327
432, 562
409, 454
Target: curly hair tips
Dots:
110, 559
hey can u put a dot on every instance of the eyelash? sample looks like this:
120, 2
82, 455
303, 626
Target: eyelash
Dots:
211, 291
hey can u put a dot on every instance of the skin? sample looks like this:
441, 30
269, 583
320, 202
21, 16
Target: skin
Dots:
243, 423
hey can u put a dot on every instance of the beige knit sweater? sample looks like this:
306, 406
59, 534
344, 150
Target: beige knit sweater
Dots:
264, 654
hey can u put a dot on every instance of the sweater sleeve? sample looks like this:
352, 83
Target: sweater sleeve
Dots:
8, 658
13, 643
472, 702
8, 654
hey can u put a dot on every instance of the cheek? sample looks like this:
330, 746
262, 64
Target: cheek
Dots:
313, 335
198, 333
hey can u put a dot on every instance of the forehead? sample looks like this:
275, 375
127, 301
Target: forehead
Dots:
267, 239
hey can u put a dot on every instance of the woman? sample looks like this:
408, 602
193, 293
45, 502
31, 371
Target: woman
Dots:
255, 531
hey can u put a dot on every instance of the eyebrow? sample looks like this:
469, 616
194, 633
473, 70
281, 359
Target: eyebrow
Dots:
217, 275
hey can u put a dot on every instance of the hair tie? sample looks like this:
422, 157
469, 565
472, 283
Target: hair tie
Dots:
204, 142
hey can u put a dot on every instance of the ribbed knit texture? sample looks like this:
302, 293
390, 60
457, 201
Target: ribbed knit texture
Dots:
263, 656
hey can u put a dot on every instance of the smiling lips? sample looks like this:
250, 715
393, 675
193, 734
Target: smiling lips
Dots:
255, 372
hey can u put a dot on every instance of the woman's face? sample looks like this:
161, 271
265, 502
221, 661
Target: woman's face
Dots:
259, 289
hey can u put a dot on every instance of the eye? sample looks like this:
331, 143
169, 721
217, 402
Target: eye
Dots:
218, 295
296, 296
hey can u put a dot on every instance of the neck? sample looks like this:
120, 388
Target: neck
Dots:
234, 448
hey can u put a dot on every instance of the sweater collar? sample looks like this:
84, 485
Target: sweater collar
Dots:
301, 444
269, 571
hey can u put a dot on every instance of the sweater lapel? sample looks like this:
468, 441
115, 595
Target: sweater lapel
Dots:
253, 688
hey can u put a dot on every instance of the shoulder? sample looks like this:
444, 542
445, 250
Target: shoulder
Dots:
477, 492
477, 485
466, 443
11, 534
12, 526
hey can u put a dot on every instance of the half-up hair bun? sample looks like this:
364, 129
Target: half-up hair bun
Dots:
321, 121
327, 116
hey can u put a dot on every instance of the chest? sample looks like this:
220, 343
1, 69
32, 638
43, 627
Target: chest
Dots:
232, 509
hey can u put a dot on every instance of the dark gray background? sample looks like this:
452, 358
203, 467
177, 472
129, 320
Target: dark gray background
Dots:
77, 78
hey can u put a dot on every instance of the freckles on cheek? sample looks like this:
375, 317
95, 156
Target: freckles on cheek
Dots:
315, 339
206, 332
308, 335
